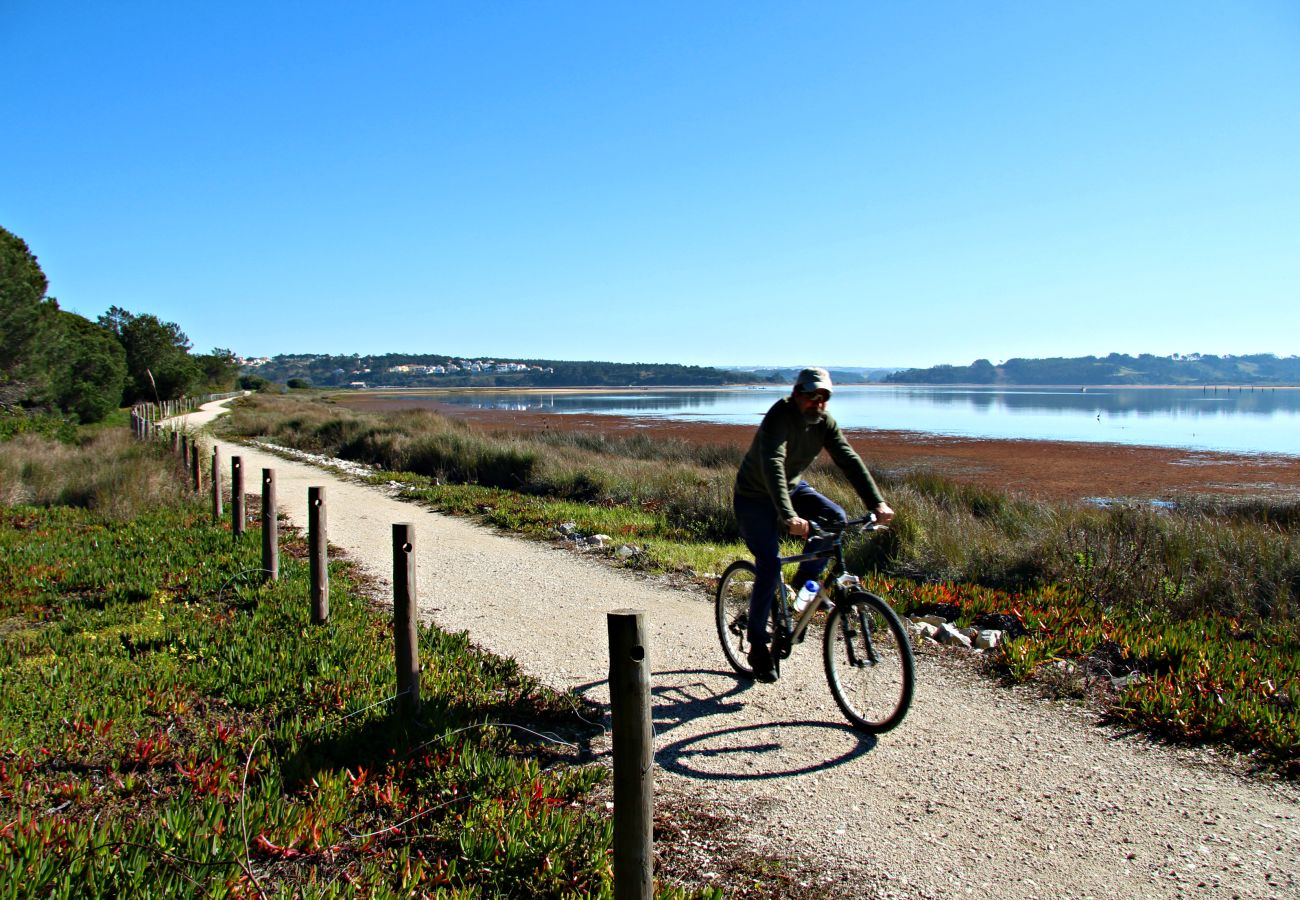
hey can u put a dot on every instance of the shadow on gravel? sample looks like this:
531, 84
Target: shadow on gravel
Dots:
756, 751
762, 751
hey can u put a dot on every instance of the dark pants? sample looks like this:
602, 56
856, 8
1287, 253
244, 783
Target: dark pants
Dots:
762, 532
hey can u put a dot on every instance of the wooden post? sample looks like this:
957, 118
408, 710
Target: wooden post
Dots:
629, 707
196, 465
406, 644
216, 483
270, 528
318, 556
236, 496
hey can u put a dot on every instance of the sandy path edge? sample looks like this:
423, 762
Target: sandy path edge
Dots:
981, 791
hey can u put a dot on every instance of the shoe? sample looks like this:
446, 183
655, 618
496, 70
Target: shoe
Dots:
760, 660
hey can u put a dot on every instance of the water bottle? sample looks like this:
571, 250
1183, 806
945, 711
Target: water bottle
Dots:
806, 595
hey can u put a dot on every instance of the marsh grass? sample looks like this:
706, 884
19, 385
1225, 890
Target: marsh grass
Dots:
1234, 559
105, 471
1200, 601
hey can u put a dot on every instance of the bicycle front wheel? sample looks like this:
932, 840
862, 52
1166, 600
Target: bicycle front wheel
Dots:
869, 663
731, 612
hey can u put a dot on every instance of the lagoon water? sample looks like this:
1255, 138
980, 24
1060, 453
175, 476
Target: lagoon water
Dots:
1263, 420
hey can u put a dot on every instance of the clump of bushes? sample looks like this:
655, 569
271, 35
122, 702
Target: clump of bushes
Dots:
15, 422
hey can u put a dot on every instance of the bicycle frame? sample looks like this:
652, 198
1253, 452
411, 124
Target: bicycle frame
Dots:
795, 630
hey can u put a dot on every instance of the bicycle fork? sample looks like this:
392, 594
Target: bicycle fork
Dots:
851, 645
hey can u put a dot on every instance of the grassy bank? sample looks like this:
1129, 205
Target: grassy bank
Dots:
170, 726
1200, 602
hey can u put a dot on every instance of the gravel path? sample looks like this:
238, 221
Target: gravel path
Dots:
981, 791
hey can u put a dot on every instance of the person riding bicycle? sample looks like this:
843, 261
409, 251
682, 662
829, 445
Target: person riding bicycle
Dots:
771, 498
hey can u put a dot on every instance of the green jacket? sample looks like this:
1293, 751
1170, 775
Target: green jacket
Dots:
785, 445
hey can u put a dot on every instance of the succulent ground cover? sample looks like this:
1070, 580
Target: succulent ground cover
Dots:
1202, 678
171, 726
1192, 608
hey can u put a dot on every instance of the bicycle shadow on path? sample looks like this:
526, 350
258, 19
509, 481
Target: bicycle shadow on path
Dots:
741, 749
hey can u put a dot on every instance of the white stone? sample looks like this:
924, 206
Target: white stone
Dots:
950, 634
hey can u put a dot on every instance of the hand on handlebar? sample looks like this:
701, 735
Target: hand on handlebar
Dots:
799, 527
884, 513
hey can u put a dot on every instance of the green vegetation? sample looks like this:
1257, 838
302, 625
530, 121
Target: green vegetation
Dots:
55, 362
1116, 368
1201, 601
334, 371
170, 726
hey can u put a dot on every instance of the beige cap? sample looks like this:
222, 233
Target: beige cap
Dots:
813, 379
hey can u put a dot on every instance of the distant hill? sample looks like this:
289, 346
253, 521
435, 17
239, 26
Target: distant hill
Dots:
1117, 368
839, 374
437, 370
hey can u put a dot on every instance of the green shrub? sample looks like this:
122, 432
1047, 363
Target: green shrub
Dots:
16, 422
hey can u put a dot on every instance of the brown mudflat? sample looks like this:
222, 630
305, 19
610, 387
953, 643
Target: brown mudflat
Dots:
1046, 470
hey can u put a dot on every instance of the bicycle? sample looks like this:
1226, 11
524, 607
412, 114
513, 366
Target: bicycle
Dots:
865, 647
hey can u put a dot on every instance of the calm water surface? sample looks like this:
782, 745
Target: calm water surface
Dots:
1258, 421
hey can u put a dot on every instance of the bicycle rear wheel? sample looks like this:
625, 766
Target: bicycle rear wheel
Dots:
869, 663
731, 612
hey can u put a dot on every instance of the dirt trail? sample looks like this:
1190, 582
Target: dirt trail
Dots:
982, 790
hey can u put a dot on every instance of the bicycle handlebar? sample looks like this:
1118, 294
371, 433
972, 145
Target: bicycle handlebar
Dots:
868, 523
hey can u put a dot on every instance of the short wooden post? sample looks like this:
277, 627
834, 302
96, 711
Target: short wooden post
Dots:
270, 528
318, 557
196, 465
236, 496
629, 707
406, 644
216, 483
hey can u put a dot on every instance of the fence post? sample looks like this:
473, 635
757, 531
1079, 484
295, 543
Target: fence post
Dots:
176, 442
196, 464
236, 496
406, 644
270, 528
629, 707
319, 556
216, 483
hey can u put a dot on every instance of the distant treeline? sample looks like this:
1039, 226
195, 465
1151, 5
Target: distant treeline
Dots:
1117, 368
340, 371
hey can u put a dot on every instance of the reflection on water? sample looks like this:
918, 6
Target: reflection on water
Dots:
1244, 420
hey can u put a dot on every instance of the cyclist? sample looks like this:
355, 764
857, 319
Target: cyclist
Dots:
771, 498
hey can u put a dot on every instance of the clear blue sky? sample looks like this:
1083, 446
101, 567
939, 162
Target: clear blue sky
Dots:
846, 183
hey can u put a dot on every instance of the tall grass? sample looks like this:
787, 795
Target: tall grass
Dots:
105, 471
1238, 559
